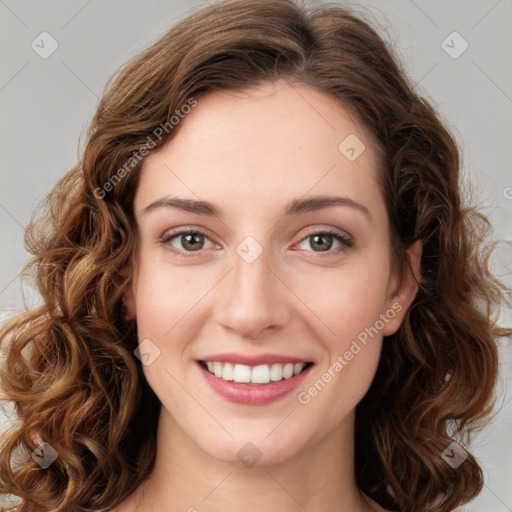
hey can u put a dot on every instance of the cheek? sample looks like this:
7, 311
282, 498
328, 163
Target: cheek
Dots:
349, 304
346, 301
168, 308
350, 312
166, 298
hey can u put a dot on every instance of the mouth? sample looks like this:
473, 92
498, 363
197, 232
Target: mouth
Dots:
257, 384
256, 375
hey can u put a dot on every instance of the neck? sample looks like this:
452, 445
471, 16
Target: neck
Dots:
320, 477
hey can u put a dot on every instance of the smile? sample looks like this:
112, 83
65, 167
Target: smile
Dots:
258, 375
253, 380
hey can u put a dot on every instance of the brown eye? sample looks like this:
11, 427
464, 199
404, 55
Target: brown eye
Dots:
322, 241
185, 241
192, 242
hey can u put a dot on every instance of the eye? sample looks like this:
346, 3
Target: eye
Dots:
190, 240
323, 241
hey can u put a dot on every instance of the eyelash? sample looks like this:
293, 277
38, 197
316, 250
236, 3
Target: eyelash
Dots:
346, 243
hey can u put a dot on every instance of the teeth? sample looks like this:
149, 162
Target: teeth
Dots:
217, 369
298, 368
227, 371
288, 371
241, 373
261, 374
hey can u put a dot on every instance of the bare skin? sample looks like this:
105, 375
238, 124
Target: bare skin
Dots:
250, 154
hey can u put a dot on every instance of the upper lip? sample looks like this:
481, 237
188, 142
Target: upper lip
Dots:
254, 360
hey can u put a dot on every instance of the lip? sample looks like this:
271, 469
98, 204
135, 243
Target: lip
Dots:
253, 394
253, 360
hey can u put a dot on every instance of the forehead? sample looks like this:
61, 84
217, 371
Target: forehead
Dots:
276, 141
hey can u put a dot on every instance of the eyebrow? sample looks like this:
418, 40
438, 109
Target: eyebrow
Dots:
294, 207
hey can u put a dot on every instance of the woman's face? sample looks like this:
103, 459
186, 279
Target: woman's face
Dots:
265, 282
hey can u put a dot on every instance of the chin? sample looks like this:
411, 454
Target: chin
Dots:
250, 450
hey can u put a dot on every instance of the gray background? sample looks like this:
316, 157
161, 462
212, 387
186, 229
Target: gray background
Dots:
47, 103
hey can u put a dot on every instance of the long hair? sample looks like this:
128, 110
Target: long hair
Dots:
70, 368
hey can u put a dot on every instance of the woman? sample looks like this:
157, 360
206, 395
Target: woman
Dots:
261, 286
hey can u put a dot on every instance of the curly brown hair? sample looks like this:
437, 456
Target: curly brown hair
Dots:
79, 387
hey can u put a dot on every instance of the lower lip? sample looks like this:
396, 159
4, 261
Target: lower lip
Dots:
253, 394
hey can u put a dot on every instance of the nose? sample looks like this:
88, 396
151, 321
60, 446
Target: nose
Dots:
253, 298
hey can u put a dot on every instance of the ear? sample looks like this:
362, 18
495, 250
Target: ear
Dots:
128, 296
403, 290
